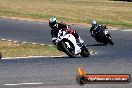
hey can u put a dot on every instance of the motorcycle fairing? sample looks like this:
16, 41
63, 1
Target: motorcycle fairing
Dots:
71, 38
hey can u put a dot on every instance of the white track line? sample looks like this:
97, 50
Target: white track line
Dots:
47, 56
9, 40
18, 84
127, 30
3, 39
91, 53
42, 44
15, 41
34, 43
24, 42
11, 84
31, 57
50, 45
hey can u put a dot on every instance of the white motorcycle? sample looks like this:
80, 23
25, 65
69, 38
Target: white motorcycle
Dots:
67, 43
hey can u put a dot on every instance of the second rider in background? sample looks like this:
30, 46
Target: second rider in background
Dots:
96, 28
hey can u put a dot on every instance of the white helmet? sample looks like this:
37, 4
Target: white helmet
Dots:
94, 22
52, 22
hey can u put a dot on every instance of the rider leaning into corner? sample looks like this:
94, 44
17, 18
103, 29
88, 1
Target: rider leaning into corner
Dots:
56, 27
96, 27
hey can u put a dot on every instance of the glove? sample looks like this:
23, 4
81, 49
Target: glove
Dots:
54, 41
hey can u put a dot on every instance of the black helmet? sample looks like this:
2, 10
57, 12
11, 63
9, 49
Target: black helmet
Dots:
52, 22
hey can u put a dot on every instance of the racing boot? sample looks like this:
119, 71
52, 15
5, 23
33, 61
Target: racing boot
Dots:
80, 42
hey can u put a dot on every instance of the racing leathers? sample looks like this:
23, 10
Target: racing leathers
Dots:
97, 28
63, 27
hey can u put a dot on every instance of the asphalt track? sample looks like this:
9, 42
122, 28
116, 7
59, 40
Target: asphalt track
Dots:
60, 72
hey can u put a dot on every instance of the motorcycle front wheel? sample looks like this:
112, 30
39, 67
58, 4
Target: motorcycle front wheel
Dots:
69, 51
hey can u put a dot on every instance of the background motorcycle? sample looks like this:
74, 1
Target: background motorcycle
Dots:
102, 36
67, 43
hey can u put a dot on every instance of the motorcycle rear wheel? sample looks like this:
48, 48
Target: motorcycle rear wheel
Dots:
85, 53
110, 41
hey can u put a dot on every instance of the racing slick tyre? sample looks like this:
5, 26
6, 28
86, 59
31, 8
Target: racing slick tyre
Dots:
85, 52
110, 41
70, 52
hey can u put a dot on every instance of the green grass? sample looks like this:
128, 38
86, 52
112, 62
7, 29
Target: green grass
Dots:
10, 49
114, 13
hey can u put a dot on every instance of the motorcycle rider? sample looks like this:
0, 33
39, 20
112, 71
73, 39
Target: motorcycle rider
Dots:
57, 27
96, 27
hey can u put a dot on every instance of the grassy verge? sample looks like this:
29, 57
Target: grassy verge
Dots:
10, 49
113, 13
